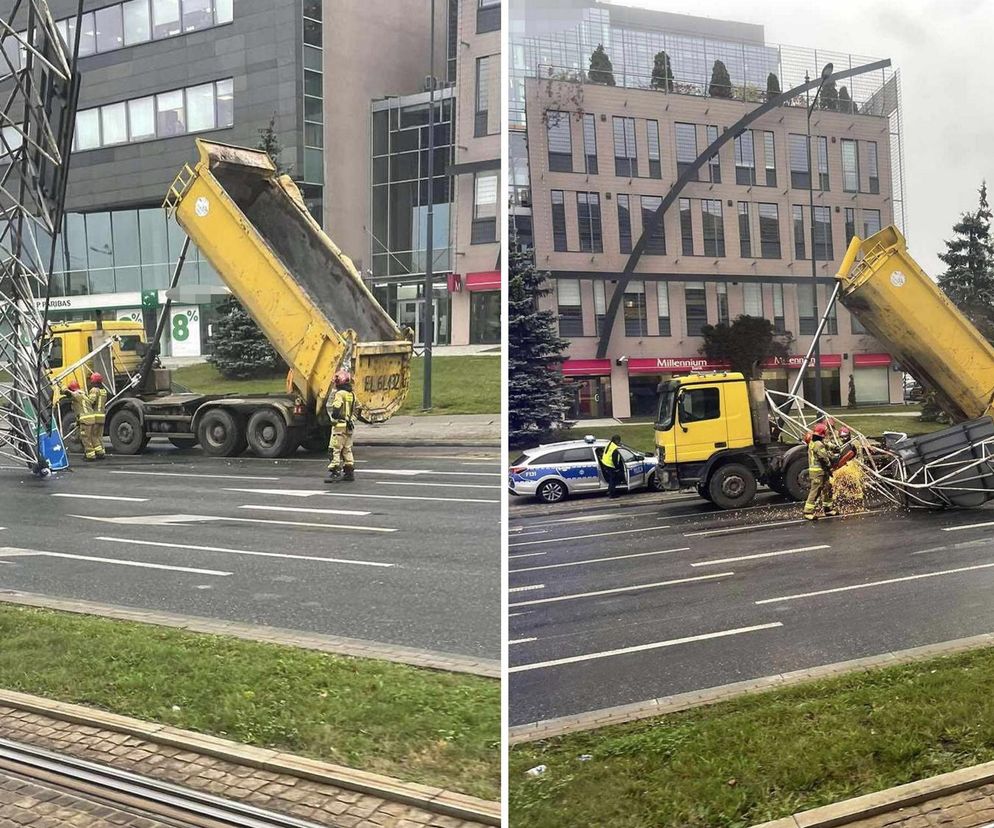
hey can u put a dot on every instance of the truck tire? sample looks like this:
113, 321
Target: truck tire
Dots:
268, 434
127, 432
183, 442
221, 434
70, 434
317, 440
796, 482
732, 486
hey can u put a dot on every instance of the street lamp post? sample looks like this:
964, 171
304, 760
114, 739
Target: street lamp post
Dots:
811, 104
429, 287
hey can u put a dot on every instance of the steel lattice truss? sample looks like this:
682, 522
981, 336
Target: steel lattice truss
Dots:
962, 476
38, 91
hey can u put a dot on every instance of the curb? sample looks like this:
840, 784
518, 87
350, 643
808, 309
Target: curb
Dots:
591, 720
352, 647
892, 799
414, 443
426, 797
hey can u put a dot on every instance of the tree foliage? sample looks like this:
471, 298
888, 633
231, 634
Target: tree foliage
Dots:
829, 98
772, 86
851, 401
745, 344
846, 102
269, 141
241, 350
662, 72
601, 69
537, 397
969, 258
721, 81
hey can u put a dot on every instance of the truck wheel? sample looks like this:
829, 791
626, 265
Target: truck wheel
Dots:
127, 432
776, 483
70, 434
796, 480
654, 483
221, 433
317, 440
703, 492
268, 434
552, 491
183, 442
732, 486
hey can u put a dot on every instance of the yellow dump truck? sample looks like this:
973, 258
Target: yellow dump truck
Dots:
718, 433
305, 294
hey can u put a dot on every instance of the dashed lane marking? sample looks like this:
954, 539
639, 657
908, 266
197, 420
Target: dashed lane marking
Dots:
526, 555
180, 520
527, 588
437, 485
596, 535
599, 560
196, 474
634, 588
305, 509
100, 497
7, 551
522, 640
969, 526
322, 493
643, 647
738, 558
131, 542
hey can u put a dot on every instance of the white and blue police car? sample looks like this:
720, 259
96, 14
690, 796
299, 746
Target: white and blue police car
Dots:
555, 471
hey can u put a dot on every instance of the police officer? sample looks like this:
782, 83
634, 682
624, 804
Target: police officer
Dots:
82, 409
341, 410
820, 462
98, 404
611, 465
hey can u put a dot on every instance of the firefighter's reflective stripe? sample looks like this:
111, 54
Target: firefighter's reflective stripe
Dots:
343, 408
98, 402
81, 405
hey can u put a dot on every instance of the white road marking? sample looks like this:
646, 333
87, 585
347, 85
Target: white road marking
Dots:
6, 551
244, 552
195, 474
526, 588
437, 485
634, 588
642, 647
969, 526
777, 523
521, 640
926, 551
180, 520
599, 560
761, 555
304, 509
101, 497
597, 535
321, 493
877, 583
526, 555
528, 534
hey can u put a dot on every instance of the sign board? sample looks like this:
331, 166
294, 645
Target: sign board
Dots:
184, 331
129, 315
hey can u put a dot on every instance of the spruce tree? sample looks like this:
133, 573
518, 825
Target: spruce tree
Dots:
845, 101
601, 69
745, 344
969, 257
269, 141
721, 81
241, 350
829, 98
537, 397
662, 72
772, 86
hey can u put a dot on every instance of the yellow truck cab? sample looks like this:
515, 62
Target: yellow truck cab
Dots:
71, 341
714, 432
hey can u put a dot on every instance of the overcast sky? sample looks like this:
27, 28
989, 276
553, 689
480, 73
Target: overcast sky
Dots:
944, 51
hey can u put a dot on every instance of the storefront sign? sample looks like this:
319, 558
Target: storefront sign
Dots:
678, 365
871, 360
483, 280
587, 367
184, 331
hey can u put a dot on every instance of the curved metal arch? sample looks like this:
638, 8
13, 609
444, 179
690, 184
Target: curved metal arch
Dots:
691, 173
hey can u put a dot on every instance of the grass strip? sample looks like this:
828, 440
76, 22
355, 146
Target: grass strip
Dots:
459, 384
766, 756
418, 725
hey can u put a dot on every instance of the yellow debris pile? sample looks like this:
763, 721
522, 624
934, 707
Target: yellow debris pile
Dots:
847, 484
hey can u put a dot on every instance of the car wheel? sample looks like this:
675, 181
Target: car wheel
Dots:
654, 483
732, 486
221, 433
553, 491
797, 481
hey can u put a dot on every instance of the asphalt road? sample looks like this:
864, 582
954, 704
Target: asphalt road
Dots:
620, 602
408, 554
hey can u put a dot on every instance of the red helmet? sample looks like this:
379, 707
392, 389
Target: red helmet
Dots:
844, 433
73, 385
343, 377
820, 429
95, 378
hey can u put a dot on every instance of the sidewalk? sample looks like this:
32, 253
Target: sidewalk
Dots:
433, 430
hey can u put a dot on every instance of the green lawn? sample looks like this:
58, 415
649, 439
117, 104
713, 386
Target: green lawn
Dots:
420, 725
766, 756
460, 384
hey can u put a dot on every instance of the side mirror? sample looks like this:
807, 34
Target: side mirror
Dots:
141, 348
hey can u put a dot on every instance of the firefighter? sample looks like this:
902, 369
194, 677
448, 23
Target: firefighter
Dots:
611, 465
98, 404
820, 462
341, 410
83, 410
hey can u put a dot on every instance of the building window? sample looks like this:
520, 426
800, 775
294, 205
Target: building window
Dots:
770, 158
177, 112
800, 171
487, 16
721, 289
484, 317
686, 227
663, 307
821, 145
590, 143
823, 234
625, 154
779, 321
588, 215
137, 22
482, 117
652, 139
600, 307
832, 323
850, 166
695, 298
624, 223
797, 213
484, 228
806, 309
652, 226
560, 141
745, 159
871, 223
714, 162
769, 231
850, 224
559, 243
874, 170
635, 316
570, 308
713, 226
752, 299
745, 231
686, 148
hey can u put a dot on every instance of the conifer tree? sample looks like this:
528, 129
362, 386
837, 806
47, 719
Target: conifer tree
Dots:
241, 350
662, 72
845, 101
969, 257
772, 86
721, 81
829, 98
601, 69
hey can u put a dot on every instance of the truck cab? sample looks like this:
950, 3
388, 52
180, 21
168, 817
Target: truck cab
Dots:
71, 341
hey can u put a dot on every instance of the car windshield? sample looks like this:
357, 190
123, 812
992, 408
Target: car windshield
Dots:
667, 405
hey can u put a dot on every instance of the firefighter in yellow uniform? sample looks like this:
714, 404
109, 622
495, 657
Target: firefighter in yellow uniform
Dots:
341, 410
820, 462
97, 417
82, 409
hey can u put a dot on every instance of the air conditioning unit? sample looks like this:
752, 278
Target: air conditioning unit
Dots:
426, 86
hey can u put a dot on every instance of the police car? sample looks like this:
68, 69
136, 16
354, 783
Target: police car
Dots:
555, 471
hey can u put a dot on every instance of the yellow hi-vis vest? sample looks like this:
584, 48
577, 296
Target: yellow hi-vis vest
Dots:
819, 458
98, 402
607, 458
81, 405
